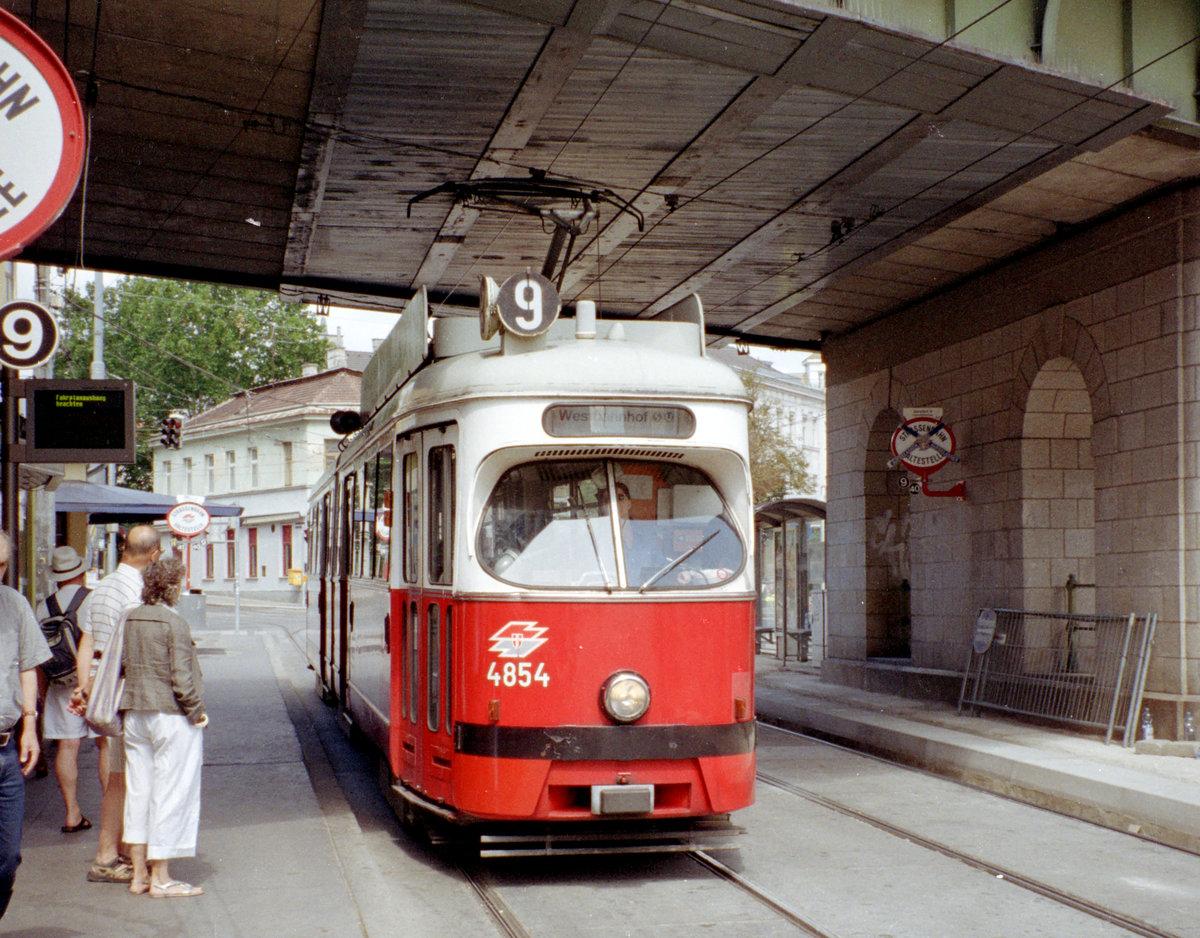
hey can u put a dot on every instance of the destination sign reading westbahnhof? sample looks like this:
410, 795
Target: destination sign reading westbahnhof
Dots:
672, 423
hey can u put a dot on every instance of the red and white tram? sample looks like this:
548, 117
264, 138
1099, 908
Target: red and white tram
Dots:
530, 575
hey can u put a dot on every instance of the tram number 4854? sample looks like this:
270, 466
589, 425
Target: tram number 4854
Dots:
514, 674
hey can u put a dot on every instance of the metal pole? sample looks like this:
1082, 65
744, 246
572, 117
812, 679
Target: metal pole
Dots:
237, 580
98, 369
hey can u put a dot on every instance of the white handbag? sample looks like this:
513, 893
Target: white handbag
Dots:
104, 702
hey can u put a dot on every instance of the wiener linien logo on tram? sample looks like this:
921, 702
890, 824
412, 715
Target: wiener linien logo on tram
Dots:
518, 639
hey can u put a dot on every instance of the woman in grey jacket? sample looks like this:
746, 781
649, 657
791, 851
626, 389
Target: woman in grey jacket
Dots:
164, 716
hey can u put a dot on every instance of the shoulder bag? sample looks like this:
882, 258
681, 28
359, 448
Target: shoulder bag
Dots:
104, 702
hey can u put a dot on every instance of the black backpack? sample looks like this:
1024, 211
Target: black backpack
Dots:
62, 635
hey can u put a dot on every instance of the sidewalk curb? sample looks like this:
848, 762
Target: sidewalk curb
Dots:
1163, 810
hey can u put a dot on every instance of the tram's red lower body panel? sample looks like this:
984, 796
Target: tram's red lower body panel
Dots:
529, 737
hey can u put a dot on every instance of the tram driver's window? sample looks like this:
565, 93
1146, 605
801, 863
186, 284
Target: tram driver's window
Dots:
551, 525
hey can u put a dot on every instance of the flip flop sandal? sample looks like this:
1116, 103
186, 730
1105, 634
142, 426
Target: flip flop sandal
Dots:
84, 825
174, 890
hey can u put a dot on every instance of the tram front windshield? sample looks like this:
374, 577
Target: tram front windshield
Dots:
609, 525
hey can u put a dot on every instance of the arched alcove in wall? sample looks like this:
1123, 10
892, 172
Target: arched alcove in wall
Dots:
887, 593
1058, 486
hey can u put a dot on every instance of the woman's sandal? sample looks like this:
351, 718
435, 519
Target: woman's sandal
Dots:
174, 890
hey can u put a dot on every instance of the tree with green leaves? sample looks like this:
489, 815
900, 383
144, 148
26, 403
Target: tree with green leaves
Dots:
778, 467
186, 346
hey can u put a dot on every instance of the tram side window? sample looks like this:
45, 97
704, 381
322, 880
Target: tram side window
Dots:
383, 514
449, 664
340, 538
441, 513
412, 492
414, 662
367, 519
352, 502
433, 645
406, 627
364, 520
327, 535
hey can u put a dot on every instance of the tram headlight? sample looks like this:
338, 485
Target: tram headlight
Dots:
626, 696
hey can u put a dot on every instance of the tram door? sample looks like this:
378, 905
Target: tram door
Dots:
327, 532
427, 501
339, 652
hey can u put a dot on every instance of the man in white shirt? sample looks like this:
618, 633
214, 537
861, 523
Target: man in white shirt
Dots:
115, 595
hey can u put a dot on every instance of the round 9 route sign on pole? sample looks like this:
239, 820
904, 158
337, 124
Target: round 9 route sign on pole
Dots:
41, 136
28, 334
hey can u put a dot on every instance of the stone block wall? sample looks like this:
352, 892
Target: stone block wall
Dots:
1071, 380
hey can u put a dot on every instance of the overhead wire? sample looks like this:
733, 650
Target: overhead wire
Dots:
185, 299
110, 321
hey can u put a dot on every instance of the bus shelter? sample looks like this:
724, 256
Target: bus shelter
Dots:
790, 573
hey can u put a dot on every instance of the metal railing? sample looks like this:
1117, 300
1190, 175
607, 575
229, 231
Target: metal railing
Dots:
1072, 668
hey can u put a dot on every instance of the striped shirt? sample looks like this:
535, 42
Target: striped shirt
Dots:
116, 594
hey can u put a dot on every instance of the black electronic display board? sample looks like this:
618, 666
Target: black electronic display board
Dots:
79, 420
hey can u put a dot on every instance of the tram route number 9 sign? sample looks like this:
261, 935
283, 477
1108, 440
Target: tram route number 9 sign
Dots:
527, 304
28, 334
41, 136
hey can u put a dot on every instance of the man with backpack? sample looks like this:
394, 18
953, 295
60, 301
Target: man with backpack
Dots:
58, 616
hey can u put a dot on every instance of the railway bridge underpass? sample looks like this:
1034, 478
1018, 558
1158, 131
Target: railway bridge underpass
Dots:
987, 211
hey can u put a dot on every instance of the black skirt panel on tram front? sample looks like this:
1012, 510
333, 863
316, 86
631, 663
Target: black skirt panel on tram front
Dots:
597, 743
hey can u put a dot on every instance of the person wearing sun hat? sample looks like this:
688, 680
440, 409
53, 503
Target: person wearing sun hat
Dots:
67, 570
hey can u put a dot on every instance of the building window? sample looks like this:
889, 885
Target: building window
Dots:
167, 477
230, 553
287, 463
231, 468
253, 453
285, 543
188, 481
210, 562
252, 551
210, 472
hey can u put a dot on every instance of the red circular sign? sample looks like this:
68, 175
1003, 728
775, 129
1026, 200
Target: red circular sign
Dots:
42, 140
922, 445
188, 519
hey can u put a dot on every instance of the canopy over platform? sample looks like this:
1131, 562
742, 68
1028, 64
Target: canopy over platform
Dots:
105, 503
780, 510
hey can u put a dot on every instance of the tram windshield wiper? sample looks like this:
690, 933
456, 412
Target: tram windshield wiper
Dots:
596, 550
676, 562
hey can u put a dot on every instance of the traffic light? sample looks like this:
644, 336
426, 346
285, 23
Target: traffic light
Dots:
172, 429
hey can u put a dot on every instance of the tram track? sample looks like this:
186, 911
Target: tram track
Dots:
760, 895
1001, 873
495, 906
